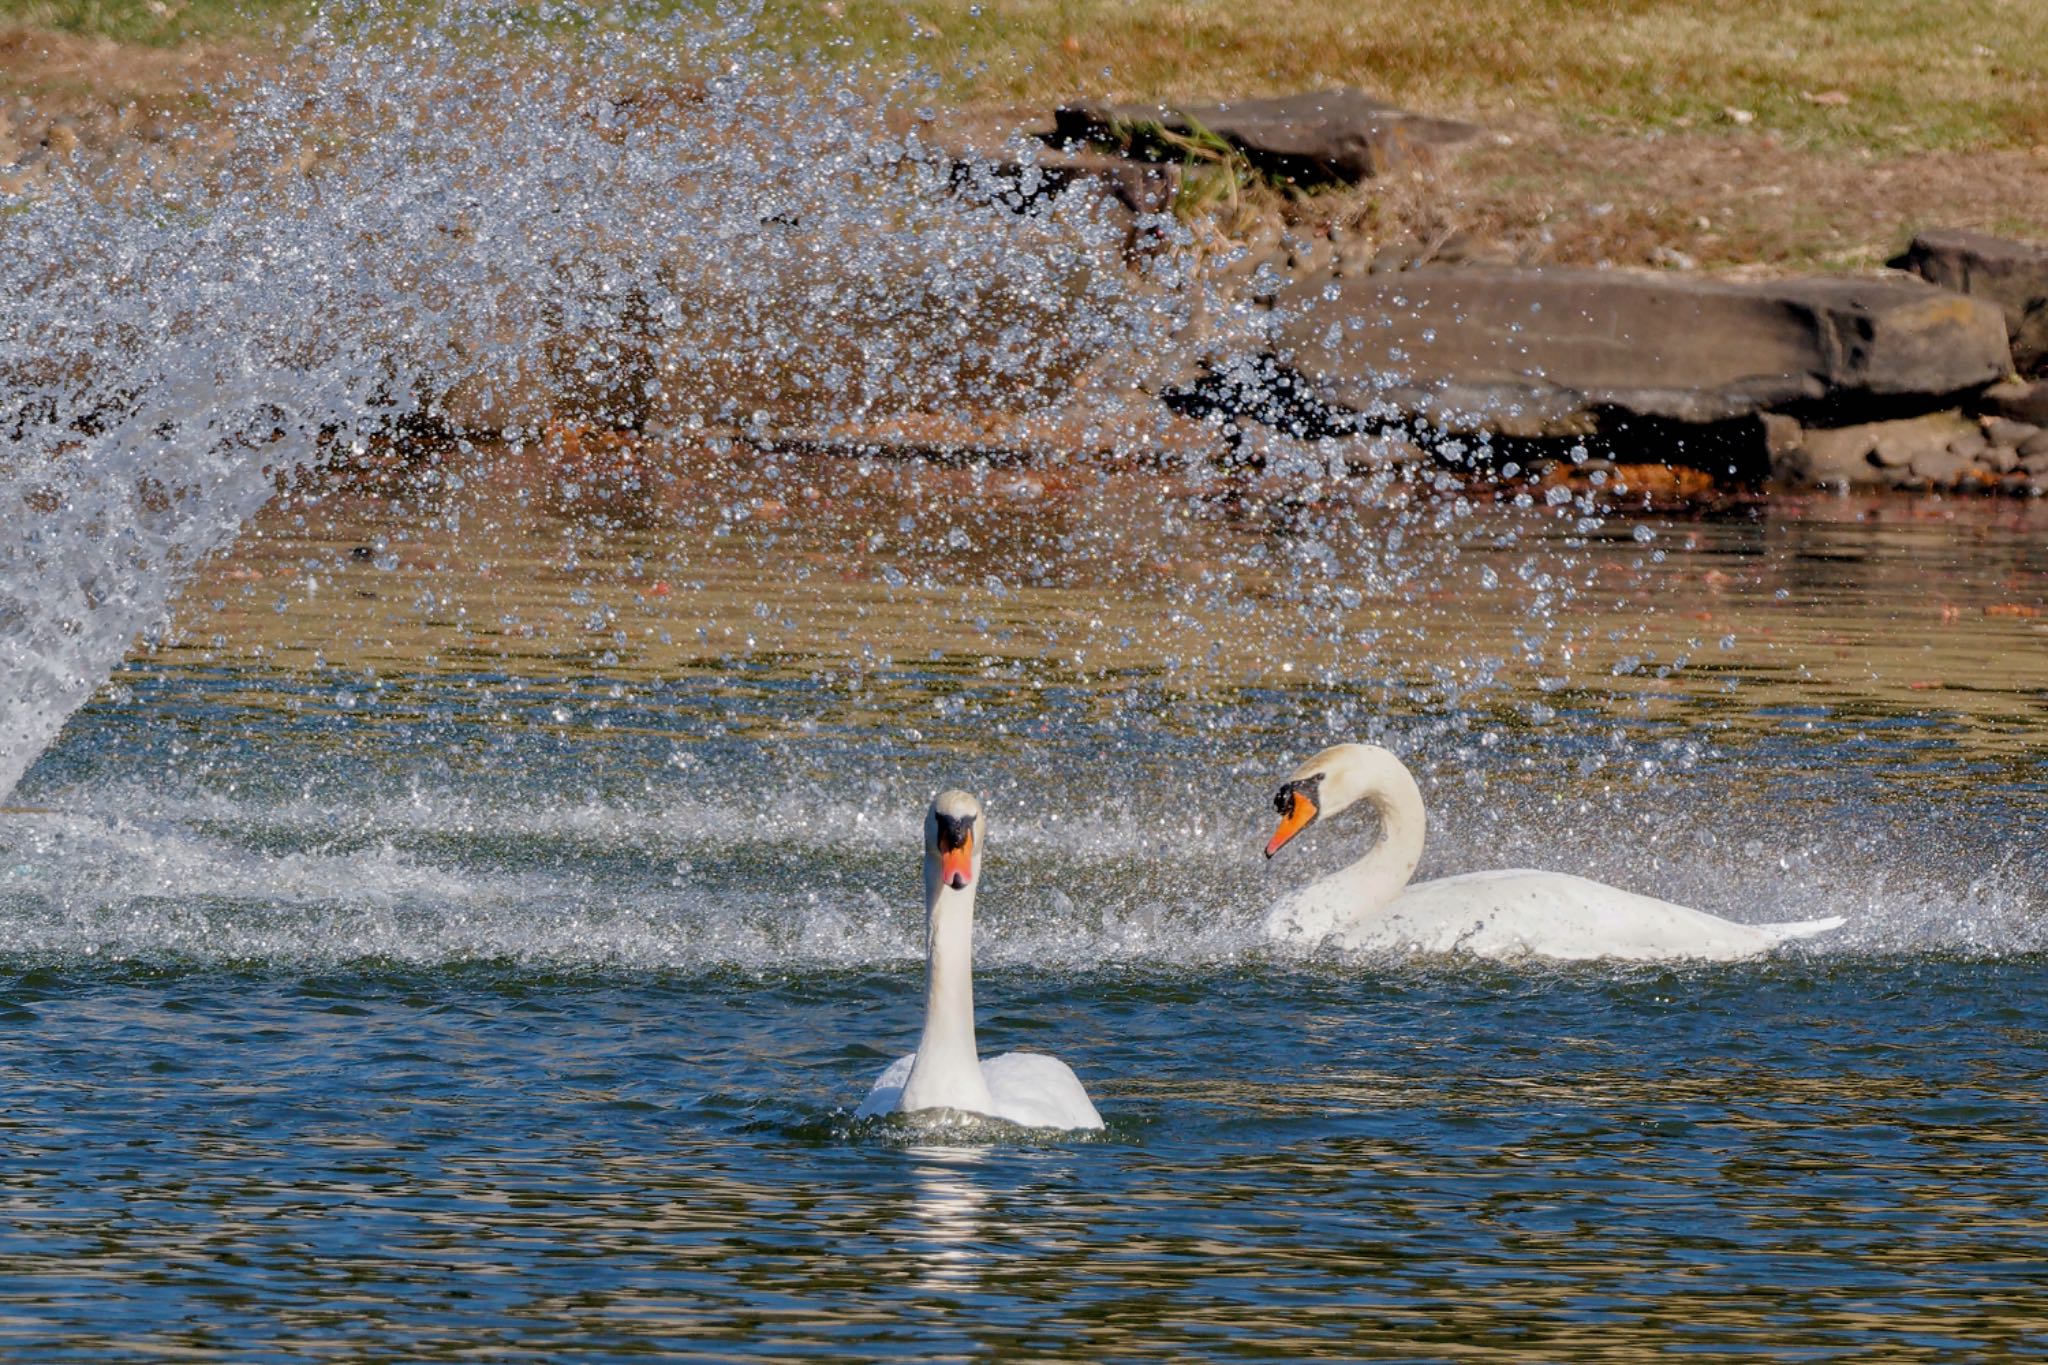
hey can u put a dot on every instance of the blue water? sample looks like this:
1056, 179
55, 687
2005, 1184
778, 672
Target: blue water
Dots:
397, 1030
1807, 1158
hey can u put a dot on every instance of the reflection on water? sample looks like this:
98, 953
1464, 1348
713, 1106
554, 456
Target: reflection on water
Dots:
1000, 583
950, 1215
1308, 1165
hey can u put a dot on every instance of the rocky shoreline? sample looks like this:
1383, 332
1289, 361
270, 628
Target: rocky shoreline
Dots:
1445, 352
1931, 376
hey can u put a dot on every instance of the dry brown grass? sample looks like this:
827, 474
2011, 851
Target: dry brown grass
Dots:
1889, 74
1717, 200
72, 70
1865, 119
1915, 73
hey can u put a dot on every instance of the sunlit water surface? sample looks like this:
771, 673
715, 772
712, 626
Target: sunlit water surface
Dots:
466, 930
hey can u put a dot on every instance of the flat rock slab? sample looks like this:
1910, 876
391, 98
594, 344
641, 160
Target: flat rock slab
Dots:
1567, 352
1337, 136
2013, 275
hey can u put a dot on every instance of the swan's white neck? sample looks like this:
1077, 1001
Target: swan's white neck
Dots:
947, 1072
1377, 778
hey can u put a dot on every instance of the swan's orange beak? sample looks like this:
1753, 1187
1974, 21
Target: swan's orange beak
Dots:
956, 865
1296, 817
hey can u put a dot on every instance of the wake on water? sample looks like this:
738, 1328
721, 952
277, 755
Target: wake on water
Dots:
199, 879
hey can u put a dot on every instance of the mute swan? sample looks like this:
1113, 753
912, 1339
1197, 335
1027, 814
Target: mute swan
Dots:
946, 1071
1370, 905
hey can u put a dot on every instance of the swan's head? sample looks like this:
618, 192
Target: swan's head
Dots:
1333, 780
954, 831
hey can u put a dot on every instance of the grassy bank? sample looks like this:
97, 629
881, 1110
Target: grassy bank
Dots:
1778, 134
1875, 72
1884, 74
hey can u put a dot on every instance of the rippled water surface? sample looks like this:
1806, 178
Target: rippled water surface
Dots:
465, 930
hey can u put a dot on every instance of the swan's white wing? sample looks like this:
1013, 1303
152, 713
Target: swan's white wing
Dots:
888, 1090
1524, 913
1787, 930
1038, 1091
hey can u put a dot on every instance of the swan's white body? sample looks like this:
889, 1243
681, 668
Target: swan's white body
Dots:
946, 1071
1370, 906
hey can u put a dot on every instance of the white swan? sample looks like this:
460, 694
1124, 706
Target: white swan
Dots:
946, 1071
1370, 906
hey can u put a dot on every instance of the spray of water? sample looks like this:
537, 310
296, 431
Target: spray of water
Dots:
426, 230
629, 220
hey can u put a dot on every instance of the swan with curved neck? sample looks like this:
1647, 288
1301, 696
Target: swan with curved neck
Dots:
1369, 906
946, 1071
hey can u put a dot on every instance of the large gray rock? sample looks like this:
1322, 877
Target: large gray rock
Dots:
1567, 352
1320, 137
2013, 275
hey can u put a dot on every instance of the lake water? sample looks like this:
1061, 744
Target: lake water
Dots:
465, 931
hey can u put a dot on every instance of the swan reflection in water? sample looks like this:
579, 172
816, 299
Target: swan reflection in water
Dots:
950, 1212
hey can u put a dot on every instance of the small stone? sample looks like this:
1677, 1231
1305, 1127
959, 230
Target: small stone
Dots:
1942, 467
1781, 433
1314, 137
2019, 399
2004, 431
1838, 456
1904, 444
1999, 459
1970, 444
2035, 447
1741, 118
1354, 258
1659, 484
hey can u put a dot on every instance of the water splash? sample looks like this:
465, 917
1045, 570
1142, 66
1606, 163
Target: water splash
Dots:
645, 222
803, 878
474, 223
